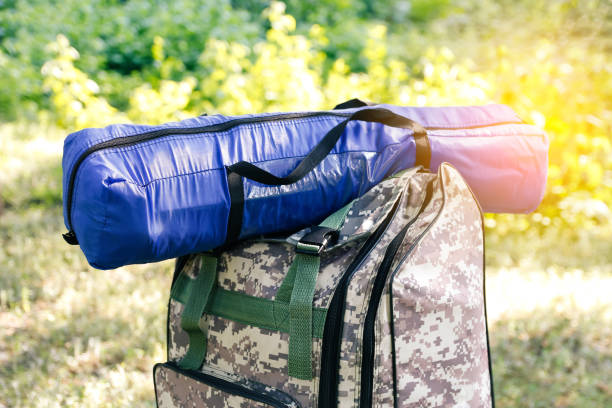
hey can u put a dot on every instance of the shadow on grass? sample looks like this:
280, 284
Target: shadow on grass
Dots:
46, 347
549, 359
89, 339
40, 186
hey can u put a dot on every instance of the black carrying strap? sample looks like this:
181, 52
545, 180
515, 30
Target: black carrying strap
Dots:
353, 103
234, 221
321, 150
236, 171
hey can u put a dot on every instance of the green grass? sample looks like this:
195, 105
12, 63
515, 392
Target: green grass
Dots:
551, 337
71, 335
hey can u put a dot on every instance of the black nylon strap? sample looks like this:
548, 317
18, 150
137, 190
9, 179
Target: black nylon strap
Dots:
321, 150
353, 103
234, 221
423, 149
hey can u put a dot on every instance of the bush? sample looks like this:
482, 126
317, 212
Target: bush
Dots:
111, 35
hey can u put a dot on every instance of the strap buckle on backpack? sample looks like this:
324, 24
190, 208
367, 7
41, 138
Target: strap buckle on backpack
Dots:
316, 240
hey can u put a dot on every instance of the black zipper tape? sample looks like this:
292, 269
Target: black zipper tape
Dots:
367, 351
369, 340
334, 322
227, 386
404, 257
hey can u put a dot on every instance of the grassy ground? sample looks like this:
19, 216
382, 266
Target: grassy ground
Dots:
74, 336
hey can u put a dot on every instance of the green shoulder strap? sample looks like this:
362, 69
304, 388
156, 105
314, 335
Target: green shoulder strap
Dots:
199, 293
300, 282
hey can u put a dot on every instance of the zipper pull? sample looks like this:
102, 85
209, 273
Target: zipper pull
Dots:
71, 238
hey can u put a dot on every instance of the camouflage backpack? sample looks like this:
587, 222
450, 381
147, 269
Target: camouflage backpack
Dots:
382, 305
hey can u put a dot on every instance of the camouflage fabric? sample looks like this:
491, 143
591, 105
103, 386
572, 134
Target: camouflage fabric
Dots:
177, 337
174, 389
259, 354
358, 294
438, 308
383, 395
430, 337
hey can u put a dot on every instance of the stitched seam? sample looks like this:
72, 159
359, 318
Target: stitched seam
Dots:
165, 139
204, 133
433, 133
150, 128
377, 366
457, 125
227, 119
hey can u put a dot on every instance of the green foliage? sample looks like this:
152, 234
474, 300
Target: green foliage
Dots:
235, 78
111, 35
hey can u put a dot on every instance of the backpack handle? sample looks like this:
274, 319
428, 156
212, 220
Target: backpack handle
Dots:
353, 103
322, 149
242, 169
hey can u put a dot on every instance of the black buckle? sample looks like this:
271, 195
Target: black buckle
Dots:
314, 242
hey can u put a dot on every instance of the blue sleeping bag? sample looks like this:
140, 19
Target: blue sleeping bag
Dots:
137, 194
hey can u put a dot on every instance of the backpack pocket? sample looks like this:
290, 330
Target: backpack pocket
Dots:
176, 387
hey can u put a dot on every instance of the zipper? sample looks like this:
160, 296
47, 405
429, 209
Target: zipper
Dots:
230, 387
334, 322
125, 141
509, 122
368, 343
369, 339
406, 255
